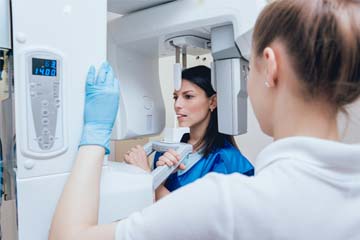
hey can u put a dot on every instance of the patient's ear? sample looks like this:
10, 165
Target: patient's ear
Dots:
271, 67
213, 102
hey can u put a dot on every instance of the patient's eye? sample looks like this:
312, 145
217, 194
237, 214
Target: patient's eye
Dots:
188, 96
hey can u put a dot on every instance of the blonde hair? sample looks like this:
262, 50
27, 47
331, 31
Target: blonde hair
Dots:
322, 38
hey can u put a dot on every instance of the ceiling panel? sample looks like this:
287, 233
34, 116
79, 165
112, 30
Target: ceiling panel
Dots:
127, 6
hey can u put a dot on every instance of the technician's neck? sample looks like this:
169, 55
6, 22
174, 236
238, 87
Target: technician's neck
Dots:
307, 119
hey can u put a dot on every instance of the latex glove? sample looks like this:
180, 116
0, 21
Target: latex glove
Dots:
137, 157
101, 106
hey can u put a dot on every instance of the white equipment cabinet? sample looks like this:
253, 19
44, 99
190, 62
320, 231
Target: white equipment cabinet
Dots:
50, 46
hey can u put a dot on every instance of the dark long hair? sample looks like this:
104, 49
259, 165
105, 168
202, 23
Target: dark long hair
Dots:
212, 139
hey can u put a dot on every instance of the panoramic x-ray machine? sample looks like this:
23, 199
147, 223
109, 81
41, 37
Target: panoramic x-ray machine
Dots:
46, 49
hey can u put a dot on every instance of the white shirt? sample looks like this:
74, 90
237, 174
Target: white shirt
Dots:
305, 188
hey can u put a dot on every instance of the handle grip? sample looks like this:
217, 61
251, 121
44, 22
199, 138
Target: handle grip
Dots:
160, 174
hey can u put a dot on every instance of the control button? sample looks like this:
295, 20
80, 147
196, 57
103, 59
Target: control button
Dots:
57, 105
45, 121
32, 85
38, 84
40, 139
46, 146
44, 103
57, 100
45, 131
45, 112
51, 138
147, 106
32, 94
29, 164
148, 103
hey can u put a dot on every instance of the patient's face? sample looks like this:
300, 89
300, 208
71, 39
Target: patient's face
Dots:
191, 105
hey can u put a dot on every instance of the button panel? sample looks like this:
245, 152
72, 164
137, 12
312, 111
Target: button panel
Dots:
44, 88
45, 102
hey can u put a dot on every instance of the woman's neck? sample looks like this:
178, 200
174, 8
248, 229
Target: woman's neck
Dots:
305, 119
197, 133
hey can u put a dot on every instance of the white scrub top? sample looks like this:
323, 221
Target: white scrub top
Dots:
304, 188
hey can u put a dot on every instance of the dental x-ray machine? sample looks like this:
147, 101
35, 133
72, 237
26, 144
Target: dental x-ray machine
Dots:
47, 47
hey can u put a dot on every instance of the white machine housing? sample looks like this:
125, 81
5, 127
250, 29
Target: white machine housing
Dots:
5, 25
135, 55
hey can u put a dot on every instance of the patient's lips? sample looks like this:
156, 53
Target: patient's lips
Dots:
181, 117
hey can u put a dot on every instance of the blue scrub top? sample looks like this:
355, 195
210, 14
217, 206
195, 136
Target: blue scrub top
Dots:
225, 160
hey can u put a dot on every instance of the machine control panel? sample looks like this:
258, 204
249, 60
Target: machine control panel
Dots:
45, 114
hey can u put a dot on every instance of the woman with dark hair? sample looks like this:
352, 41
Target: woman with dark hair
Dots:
195, 107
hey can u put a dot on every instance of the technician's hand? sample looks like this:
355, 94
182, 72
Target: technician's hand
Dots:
101, 106
137, 156
170, 158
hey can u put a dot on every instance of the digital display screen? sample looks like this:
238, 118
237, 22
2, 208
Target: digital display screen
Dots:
44, 67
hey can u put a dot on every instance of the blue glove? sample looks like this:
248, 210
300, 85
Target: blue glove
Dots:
101, 106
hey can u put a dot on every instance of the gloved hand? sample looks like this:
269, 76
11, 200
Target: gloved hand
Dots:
101, 106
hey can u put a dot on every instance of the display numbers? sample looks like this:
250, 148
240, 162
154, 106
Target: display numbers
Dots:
44, 67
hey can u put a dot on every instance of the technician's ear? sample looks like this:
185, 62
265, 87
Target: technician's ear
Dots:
271, 66
213, 102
